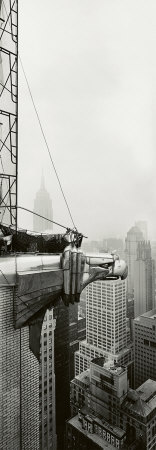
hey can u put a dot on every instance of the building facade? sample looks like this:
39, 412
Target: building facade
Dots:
145, 347
107, 333
106, 315
134, 236
48, 440
153, 253
144, 279
142, 225
19, 382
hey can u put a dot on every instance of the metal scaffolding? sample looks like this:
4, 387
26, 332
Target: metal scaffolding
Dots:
8, 111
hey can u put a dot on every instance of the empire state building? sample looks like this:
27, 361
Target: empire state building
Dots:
42, 206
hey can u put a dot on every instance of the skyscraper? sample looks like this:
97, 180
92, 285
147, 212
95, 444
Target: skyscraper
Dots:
106, 331
145, 347
42, 206
142, 225
19, 382
153, 253
47, 385
106, 315
144, 279
134, 235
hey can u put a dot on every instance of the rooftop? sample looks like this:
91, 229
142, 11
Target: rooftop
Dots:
83, 377
147, 390
103, 444
136, 231
108, 365
148, 315
118, 432
142, 401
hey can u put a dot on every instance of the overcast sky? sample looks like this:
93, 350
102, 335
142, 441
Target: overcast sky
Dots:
91, 66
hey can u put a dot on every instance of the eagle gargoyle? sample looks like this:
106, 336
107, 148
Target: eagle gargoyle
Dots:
39, 280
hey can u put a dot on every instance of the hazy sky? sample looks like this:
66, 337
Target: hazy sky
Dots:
91, 66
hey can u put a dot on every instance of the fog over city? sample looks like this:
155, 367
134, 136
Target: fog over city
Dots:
92, 72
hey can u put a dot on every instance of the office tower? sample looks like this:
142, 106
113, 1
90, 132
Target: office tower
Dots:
19, 382
47, 385
142, 225
144, 279
106, 315
153, 254
42, 206
134, 235
106, 328
107, 413
145, 347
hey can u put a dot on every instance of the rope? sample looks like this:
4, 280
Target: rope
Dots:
68, 230
42, 217
46, 143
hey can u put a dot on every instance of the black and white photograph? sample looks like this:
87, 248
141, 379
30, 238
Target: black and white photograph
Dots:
77, 225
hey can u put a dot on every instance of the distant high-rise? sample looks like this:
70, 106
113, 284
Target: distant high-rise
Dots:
134, 235
153, 253
144, 279
106, 326
145, 347
142, 225
42, 206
